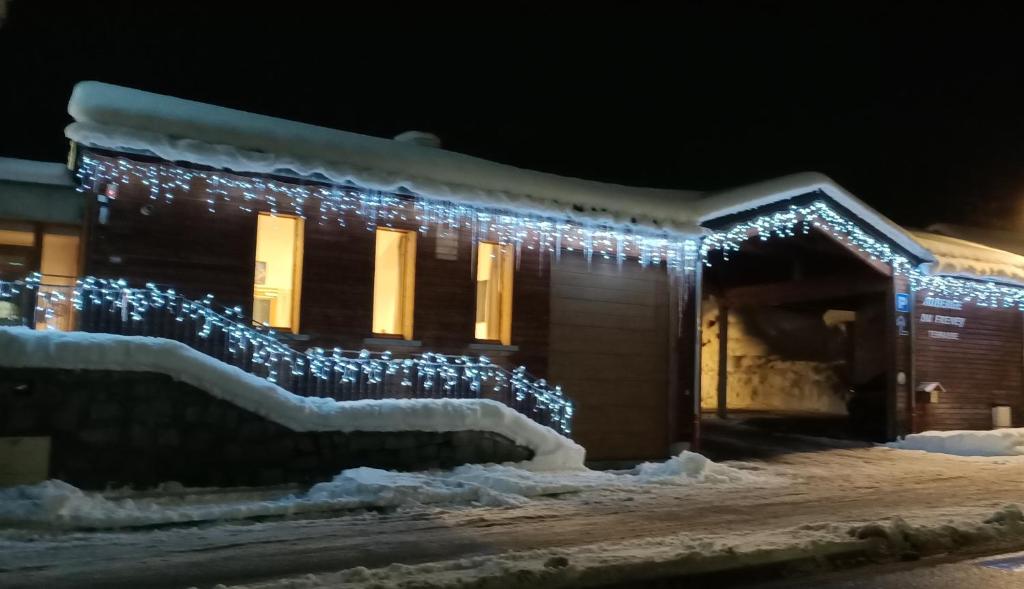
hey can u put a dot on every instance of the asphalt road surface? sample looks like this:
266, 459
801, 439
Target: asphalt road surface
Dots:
1002, 571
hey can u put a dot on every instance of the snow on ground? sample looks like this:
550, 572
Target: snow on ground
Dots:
998, 442
790, 506
57, 504
680, 554
24, 347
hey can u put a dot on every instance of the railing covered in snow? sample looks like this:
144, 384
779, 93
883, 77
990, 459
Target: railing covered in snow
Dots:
106, 306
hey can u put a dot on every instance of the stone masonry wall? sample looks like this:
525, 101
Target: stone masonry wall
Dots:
133, 428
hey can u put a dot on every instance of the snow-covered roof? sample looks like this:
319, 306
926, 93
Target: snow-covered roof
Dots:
1011, 241
959, 257
34, 172
174, 129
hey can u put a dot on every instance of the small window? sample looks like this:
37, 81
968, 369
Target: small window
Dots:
394, 277
494, 293
278, 273
59, 259
58, 263
17, 250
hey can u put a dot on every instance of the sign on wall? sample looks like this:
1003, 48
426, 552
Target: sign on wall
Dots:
940, 320
902, 302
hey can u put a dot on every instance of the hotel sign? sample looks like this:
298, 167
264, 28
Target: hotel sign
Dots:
942, 324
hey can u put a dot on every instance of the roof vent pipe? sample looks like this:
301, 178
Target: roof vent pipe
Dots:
419, 138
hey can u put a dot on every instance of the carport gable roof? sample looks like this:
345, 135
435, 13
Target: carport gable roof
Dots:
726, 207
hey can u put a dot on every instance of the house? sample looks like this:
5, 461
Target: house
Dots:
646, 306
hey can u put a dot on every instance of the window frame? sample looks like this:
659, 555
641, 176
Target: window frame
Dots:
407, 303
298, 254
506, 291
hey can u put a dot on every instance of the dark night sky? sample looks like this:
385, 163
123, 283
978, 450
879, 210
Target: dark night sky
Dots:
917, 109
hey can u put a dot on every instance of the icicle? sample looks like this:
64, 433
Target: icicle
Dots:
620, 256
540, 253
588, 245
558, 243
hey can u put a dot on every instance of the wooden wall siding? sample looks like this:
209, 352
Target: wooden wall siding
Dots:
901, 346
609, 349
532, 313
337, 283
180, 245
982, 368
184, 246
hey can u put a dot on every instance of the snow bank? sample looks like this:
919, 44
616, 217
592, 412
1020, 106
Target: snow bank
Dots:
57, 504
22, 347
999, 442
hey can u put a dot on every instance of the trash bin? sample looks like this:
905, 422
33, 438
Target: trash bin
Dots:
1001, 416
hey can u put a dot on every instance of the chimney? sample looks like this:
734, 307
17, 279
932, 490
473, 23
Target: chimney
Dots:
419, 138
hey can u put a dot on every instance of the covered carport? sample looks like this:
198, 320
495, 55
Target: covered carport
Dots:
805, 312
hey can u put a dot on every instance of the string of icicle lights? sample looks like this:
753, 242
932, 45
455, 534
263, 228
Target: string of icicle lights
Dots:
539, 233
800, 220
110, 306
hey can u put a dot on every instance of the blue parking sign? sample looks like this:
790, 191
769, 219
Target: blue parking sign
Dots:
902, 302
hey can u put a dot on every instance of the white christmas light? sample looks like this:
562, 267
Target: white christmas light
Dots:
798, 220
332, 204
120, 309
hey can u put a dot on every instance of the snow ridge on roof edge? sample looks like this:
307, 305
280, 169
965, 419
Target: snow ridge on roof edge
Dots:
174, 129
35, 172
182, 130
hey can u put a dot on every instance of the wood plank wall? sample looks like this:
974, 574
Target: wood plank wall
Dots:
609, 349
980, 368
185, 246
180, 245
901, 346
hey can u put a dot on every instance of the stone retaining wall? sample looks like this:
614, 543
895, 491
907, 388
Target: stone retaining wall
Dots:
112, 428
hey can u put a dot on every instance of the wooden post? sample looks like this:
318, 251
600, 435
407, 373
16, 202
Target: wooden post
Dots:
698, 324
723, 358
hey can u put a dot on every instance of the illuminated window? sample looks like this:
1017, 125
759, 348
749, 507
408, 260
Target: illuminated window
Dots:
59, 260
394, 277
58, 263
17, 250
53, 252
278, 275
494, 293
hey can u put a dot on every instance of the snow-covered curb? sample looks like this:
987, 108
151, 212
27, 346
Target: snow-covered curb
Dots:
679, 556
999, 442
56, 504
26, 348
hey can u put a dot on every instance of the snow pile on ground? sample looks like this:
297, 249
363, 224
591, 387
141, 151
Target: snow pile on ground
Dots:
676, 556
22, 347
999, 442
58, 504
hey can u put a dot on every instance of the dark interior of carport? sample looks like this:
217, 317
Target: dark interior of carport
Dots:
799, 325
